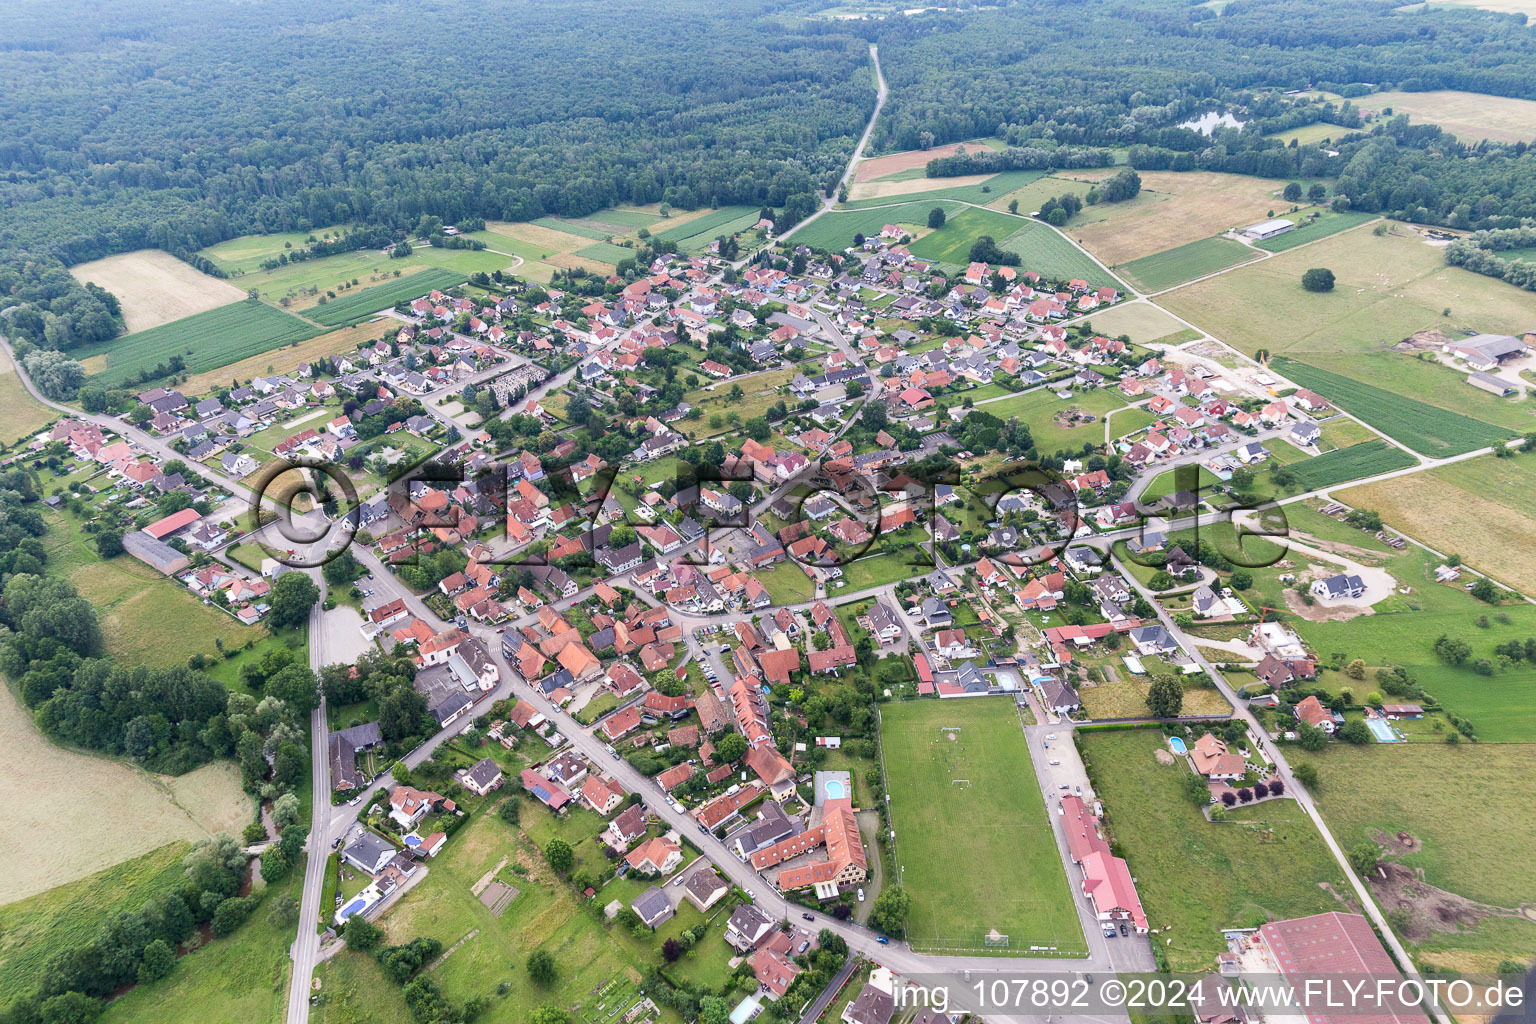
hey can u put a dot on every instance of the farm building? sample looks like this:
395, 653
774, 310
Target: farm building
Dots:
1488, 382
154, 553
1269, 228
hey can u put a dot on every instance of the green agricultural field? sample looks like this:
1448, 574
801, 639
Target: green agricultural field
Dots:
358, 306
606, 252
981, 192
1043, 249
1138, 320
1425, 428
1038, 411
35, 930
1358, 460
1327, 224
1264, 863
622, 218
1185, 263
206, 341
573, 228
835, 230
952, 243
711, 225
1035, 193
1373, 792
995, 822
1341, 432
1389, 287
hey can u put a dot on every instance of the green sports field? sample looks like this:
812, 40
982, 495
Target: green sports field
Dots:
982, 851
205, 341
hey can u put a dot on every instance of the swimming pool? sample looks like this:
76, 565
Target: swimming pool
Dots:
357, 906
746, 1008
1382, 730
834, 789
411, 839
1177, 745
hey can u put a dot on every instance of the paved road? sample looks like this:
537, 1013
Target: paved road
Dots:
829, 993
858, 150
306, 946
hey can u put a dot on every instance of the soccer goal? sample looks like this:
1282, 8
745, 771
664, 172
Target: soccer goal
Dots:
962, 783
950, 731
996, 939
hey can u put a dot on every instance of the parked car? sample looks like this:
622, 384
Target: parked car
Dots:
861, 895
882, 940
1054, 761
809, 917
1124, 928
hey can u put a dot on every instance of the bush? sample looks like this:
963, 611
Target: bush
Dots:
1318, 279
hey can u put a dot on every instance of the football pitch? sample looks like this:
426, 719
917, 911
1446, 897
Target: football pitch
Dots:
972, 827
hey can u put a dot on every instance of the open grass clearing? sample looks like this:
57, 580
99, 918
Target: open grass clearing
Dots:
1138, 320
1126, 697
1470, 116
1307, 134
1267, 862
1180, 207
1482, 509
155, 287
1032, 195
994, 815
205, 341
952, 243
1185, 263
99, 812
759, 392
363, 304
23, 414
247, 253
42, 926
1040, 410
146, 619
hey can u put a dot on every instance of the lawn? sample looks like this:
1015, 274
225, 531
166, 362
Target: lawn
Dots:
1128, 421
1196, 877
1474, 508
1341, 432
887, 567
545, 915
951, 243
787, 584
1167, 482
1185, 263
205, 341
759, 391
361, 305
1126, 697
1501, 707
1376, 791
1038, 410
996, 823
1427, 429
1307, 134
1358, 460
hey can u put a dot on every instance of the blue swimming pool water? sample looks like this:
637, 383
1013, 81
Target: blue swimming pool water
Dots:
412, 840
354, 907
1382, 730
1177, 745
834, 789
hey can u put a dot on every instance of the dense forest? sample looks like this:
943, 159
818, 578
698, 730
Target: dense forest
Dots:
1058, 77
178, 125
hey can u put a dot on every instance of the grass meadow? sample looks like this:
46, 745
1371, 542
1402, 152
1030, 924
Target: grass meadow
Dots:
983, 856
1196, 877
351, 308
1038, 410
23, 413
